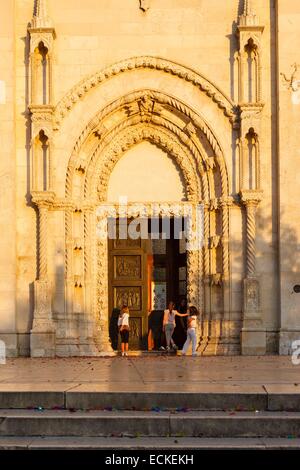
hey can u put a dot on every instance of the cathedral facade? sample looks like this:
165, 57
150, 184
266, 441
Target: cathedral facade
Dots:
154, 109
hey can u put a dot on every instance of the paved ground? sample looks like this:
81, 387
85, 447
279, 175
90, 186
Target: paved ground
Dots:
81, 443
161, 373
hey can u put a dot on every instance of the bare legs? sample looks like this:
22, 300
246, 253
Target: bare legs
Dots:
124, 348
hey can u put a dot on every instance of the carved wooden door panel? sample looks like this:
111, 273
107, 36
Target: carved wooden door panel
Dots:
127, 274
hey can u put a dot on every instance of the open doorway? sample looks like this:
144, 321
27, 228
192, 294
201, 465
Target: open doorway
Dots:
144, 273
167, 278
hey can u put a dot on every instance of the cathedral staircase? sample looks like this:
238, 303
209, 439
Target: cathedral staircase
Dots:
127, 419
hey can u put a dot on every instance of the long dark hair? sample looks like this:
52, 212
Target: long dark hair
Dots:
193, 311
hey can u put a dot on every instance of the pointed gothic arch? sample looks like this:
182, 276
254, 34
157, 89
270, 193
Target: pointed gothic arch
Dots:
145, 62
180, 131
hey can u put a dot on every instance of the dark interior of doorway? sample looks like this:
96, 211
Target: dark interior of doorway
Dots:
166, 280
167, 267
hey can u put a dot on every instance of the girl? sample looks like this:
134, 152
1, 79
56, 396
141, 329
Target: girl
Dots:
123, 324
169, 324
191, 331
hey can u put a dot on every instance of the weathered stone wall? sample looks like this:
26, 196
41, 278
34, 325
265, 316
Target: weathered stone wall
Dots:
93, 35
289, 174
8, 260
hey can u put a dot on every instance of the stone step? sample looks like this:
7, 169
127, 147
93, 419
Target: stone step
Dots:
101, 396
146, 443
157, 424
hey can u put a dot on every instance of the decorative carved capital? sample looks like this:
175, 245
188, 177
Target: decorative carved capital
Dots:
251, 197
43, 199
226, 201
250, 116
213, 204
42, 119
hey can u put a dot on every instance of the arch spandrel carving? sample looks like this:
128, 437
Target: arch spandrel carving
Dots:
190, 133
146, 62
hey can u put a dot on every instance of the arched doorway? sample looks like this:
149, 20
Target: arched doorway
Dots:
148, 118
144, 266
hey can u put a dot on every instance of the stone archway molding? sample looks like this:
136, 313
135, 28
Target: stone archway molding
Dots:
187, 134
146, 62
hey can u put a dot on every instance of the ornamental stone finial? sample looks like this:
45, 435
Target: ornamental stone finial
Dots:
248, 17
41, 18
247, 7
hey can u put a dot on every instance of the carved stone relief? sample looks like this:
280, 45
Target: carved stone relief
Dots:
130, 296
127, 267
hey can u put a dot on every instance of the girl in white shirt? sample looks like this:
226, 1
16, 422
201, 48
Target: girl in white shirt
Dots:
169, 324
123, 324
191, 331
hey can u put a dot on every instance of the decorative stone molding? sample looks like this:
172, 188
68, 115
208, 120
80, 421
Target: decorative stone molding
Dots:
250, 114
133, 136
42, 319
44, 35
250, 199
41, 119
251, 297
43, 198
145, 62
107, 135
195, 121
249, 34
142, 115
111, 146
248, 17
41, 19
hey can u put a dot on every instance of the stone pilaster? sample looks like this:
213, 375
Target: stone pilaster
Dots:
253, 341
42, 335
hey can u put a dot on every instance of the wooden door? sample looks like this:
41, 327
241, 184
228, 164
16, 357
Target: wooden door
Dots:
127, 274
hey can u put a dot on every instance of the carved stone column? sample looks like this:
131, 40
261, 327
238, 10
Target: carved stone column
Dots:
253, 331
87, 344
206, 301
42, 335
228, 345
101, 330
226, 202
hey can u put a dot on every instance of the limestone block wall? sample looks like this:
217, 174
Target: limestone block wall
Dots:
289, 174
92, 36
8, 256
